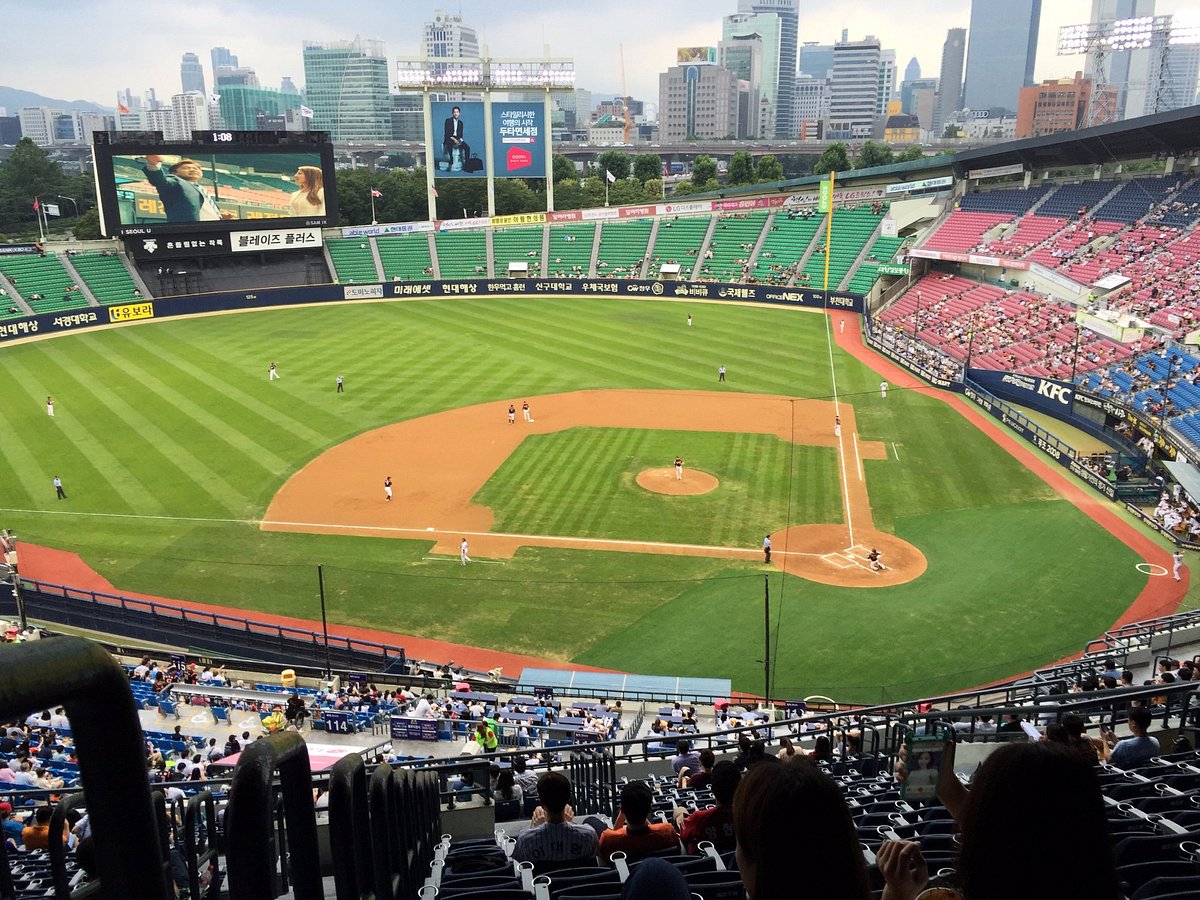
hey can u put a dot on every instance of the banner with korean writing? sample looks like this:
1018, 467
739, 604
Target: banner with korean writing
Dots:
275, 239
518, 140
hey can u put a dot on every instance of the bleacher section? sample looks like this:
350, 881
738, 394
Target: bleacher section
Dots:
518, 245
784, 246
571, 249
732, 243
622, 248
1143, 383
44, 277
462, 254
1071, 201
1009, 202
882, 251
678, 241
963, 231
1021, 332
1135, 198
852, 230
405, 256
106, 277
1183, 209
352, 260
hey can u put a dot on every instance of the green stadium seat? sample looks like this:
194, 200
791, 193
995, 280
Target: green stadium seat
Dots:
674, 239
852, 230
518, 245
352, 260
734, 239
571, 250
884, 250
462, 254
45, 277
106, 277
622, 248
784, 246
405, 256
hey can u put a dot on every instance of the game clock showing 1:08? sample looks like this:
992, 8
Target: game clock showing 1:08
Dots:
222, 137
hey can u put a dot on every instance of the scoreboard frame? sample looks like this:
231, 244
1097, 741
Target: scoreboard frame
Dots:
209, 143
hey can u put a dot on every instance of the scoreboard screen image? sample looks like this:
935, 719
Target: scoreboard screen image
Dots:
216, 183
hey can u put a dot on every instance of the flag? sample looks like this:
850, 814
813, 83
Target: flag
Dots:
375, 193
214, 98
123, 109
305, 112
36, 205
610, 176
435, 193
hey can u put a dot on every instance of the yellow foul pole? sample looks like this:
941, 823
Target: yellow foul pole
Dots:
828, 233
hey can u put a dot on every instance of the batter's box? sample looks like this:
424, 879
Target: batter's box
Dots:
840, 560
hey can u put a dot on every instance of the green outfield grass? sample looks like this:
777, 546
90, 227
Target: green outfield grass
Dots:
176, 422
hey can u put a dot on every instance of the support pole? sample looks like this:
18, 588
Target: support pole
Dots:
324, 624
767, 638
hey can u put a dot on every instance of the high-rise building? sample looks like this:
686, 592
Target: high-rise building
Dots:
88, 123
788, 12
918, 98
767, 30
1060, 105
191, 112
408, 117
743, 55
854, 89
812, 106
913, 70
697, 102
288, 86
241, 105
191, 74
222, 59
950, 79
163, 119
816, 60
38, 124
242, 76
887, 81
1183, 76
449, 36
347, 89
1001, 52
1123, 66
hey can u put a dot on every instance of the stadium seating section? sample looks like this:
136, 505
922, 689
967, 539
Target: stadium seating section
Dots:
511, 245
352, 260
853, 229
106, 277
462, 254
732, 245
789, 239
883, 250
42, 282
678, 241
1022, 331
405, 256
571, 250
622, 248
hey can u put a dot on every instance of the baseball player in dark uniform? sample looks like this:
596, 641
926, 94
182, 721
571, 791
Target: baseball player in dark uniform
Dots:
679, 468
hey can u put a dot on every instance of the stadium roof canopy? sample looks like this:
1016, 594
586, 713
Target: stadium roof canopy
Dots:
1170, 134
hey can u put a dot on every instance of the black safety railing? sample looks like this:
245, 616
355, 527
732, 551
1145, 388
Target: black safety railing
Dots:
201, 847
254, 843
350, 830
94, 691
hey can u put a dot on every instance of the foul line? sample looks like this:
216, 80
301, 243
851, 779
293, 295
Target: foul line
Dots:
423, 533
897, 452
837, 411
857, 460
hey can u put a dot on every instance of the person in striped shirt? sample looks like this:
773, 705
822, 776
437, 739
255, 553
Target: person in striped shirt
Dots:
554, 838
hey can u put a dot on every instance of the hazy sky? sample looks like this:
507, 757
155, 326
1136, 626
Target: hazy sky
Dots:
74, 49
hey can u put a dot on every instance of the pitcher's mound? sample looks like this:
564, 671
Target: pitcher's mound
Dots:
663, 481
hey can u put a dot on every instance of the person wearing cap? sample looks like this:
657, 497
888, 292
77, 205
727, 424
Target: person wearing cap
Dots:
485, 735
12, 827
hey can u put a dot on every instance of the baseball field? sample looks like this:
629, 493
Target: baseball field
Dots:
189, 475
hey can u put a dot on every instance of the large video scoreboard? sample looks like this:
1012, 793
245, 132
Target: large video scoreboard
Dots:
219, 180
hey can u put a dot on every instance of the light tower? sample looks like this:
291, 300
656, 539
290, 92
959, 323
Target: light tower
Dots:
485, 75
1098, 40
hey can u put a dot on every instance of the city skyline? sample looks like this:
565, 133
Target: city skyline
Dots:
271, 41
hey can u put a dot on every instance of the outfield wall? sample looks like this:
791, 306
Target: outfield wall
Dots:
49, 324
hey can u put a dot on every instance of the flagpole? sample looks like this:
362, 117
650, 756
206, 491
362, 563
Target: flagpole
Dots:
374, 221
37, 211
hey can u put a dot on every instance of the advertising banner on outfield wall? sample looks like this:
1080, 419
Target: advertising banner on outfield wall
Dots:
1051, 397
52, 323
